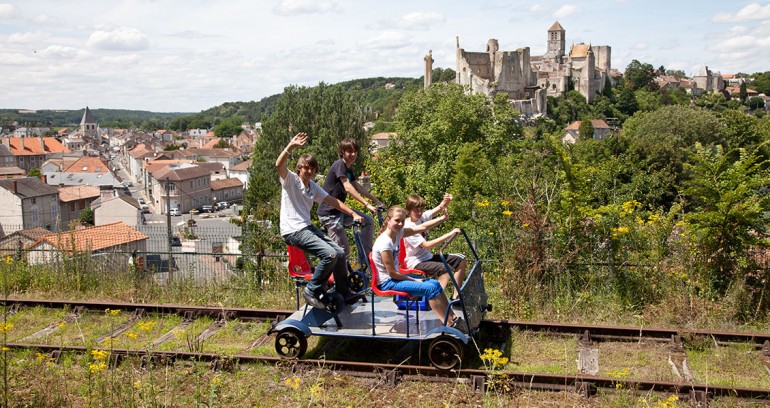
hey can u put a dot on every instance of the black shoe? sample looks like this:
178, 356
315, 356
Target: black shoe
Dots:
459, 324
311, 299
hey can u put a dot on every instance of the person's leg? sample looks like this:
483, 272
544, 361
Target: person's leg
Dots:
367, 231
430, 289
314, 242
435, 269
339, 269
335, 228
460, 275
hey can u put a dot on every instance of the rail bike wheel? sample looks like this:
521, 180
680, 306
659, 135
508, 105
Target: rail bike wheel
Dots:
356, 281
290, 343
445, 353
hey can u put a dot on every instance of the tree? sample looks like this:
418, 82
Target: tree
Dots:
34, 172
756, 102
640, 76
743, 94
87, 216
627, 103
586, 129
229, 127
761, 82
328, 114
728, 210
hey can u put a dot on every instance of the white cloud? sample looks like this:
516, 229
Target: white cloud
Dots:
62, 52
537, 8
27, 38
122, 39
386, 40
421, 20
298, 7
7, 11
749, 12
130, 59
565, 11
46, 20
640, 46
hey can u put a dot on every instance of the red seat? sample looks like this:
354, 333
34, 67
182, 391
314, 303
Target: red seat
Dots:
402, 261
376, 291
300, 269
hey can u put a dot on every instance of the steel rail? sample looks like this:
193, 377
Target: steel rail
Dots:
393, 372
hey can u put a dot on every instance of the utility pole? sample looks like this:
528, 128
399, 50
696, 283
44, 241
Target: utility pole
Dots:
168, 217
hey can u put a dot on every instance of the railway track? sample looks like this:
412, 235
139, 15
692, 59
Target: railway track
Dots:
496, 330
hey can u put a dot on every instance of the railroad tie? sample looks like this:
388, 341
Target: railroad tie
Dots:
55, 326
588, 355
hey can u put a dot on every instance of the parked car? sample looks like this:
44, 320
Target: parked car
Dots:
221, 205
145, 208
140, 200
207, 208
175, 241
175, 211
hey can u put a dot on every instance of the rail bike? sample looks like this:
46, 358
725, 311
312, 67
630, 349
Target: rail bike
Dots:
387, 315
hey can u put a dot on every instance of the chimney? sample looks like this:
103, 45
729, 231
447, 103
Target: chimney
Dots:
21, 141
42, 144
13, 186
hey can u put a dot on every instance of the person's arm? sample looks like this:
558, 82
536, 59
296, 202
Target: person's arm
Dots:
438, 241
424, 226
442, 205
280, 163
344, 208
390, 267
363, 192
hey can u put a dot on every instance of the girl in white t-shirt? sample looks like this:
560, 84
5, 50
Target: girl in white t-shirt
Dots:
385, 257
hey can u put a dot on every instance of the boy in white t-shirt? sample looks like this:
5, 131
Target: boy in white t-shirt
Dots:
298, 193
418, 247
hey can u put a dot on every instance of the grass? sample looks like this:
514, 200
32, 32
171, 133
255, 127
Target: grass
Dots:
80, 380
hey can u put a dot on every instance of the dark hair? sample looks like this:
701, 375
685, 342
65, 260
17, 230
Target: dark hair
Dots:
307, 160
413, 202
347, 145
392, 212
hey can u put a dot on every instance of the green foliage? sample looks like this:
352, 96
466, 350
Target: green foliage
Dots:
743, 94
171, 147
760, 82
34, 172
728, 213
229, 127
586, 129
87, 216
639, 75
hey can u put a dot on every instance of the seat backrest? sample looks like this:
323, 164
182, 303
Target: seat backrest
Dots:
298, 264
401, 253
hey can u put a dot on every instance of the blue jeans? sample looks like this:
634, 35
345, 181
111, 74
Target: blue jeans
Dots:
335, 227
429, 288
331, 258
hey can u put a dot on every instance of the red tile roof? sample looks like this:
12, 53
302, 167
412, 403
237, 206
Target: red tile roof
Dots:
32, 146
94, 238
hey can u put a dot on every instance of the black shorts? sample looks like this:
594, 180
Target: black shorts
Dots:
435, 268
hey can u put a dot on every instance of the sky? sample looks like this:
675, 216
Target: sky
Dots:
191, 55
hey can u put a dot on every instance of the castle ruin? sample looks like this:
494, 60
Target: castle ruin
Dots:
528, 80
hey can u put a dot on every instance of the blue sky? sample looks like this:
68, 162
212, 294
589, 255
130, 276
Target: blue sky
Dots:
190, 55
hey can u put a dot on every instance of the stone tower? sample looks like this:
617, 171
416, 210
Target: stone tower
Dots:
88, 126
556, 42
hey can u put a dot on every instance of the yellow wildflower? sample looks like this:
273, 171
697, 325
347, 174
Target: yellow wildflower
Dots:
216, 381
131, 335
507, 213
293, 382
40, 357
8, 260
100, 355
505, 203
6, 327
138, 384
147, 326
112, 312
484, 203
97, 367
6, 349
